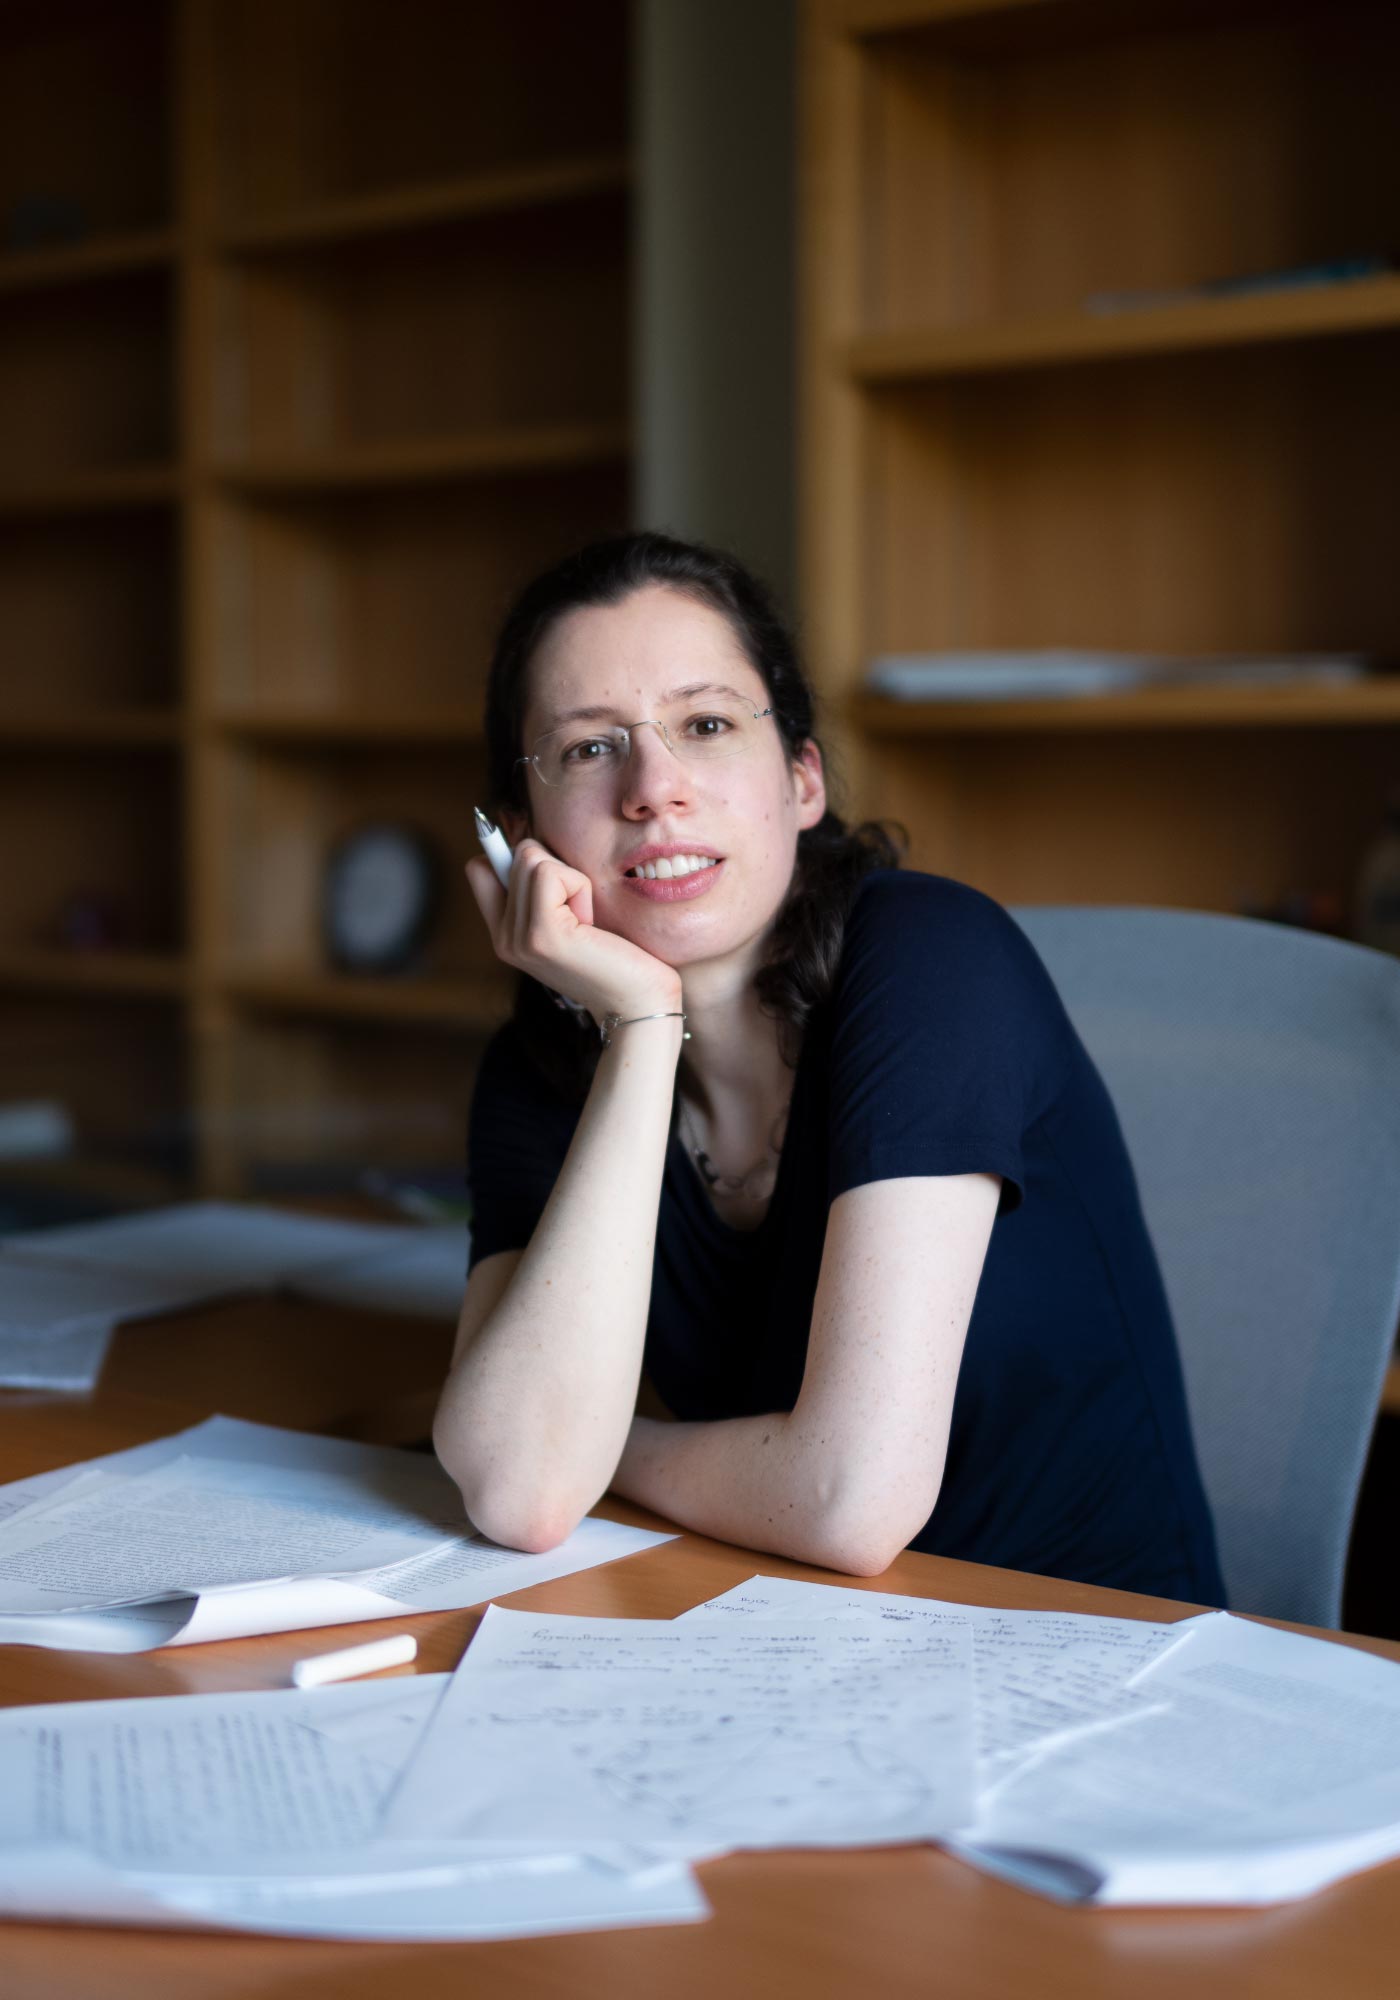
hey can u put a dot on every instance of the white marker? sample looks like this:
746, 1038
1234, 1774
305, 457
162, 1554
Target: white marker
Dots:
353, 1660
494, 847
497, 851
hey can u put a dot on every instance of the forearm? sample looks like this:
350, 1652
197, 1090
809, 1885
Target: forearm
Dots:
535, 1412
764, 1482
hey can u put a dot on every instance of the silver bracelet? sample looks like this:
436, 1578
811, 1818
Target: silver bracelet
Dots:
611, 1021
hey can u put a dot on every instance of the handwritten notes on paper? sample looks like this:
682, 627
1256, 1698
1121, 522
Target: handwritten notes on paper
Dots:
255, 1812
692, 1738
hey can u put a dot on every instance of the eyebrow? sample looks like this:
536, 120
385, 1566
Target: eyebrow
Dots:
671, 694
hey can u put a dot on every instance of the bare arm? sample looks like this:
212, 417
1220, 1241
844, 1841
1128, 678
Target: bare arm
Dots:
543, 1383
852, 1473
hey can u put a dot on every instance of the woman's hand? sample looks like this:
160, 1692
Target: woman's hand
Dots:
544, 925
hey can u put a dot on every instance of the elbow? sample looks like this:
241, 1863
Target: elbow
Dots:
530, 1520
533, 1530
854, 1553
863, 1533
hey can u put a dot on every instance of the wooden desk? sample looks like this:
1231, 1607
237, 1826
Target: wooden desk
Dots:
910, 1921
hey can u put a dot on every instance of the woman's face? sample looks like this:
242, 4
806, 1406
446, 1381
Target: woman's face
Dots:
661, 654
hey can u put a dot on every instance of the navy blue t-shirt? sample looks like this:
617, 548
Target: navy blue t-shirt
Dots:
943, 1049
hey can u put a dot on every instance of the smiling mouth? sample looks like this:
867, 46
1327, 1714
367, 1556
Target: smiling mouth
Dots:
667, 869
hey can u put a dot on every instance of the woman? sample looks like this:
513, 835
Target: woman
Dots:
837, 1170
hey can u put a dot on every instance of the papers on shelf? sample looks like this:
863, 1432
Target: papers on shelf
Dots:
425, 1273
64, 1290
220, 1246
1057, 673
692, 1738
260, 1812
56, 1322
230, 1529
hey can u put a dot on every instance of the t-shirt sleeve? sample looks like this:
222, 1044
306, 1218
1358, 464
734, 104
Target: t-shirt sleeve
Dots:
948, 1039
518, 1133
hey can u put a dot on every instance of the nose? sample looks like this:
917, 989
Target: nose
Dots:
655, 781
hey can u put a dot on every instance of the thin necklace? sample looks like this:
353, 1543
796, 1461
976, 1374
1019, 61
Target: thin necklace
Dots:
742, 1186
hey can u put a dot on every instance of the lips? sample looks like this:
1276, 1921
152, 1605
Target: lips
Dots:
680, 888
660, 859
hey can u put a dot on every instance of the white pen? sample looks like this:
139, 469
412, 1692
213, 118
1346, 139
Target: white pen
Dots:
352, 1660
497, 851
494, 847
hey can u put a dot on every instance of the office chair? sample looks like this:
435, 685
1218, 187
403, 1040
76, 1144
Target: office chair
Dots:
1256, 1072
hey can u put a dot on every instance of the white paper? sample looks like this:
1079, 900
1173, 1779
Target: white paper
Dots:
67, 1358
236, 1811
1037, 1675
56, 1324
425, 1275
224, 1247
188, 1527
445, 1571
696, 1738
1270, 1766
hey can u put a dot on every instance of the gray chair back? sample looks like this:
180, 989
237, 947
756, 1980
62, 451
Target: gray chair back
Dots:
1256, 1073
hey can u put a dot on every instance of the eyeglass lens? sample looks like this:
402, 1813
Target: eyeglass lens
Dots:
695, 734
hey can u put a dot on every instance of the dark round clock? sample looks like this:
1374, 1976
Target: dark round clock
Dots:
379, 897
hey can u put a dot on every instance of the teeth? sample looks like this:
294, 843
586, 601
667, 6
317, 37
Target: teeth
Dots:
665, 870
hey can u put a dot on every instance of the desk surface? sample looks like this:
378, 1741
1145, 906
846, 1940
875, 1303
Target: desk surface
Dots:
904, 1921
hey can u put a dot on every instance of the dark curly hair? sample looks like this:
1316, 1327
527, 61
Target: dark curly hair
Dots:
832, 858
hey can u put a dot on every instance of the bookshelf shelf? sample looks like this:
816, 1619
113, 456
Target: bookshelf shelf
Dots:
133, 974
348, 729
1151, 709
96, 490
513, 449
115, 729
326, 224
1308, 312
473, 1006
86, 263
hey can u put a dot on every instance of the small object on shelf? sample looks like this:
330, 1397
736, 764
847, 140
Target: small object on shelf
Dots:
1297, 277
35, 1130
1378, 885
1318, 910
91, 920
1045, 673
380, 897
45, 222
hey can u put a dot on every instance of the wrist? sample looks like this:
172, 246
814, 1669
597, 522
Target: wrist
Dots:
611, 1026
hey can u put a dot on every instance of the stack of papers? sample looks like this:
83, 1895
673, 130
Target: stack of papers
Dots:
572, 1769
258, 1812
63, 1291
230, 1529
1060, 673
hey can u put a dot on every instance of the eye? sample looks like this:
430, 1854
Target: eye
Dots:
707, 728
589, 750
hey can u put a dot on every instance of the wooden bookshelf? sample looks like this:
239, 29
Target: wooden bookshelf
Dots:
327, 223
995, 459
1390, 1395
1309, 312
313, 345
77, 264
471, 1006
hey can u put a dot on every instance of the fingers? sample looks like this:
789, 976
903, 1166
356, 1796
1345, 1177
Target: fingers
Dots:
546, 901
